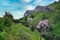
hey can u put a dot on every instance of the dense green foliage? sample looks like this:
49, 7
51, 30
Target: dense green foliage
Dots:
20, 31
15, 31
53, 17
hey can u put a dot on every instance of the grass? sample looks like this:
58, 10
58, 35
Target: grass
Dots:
19, 32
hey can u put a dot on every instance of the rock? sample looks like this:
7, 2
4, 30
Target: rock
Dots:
28, 12
38, 8
8, 14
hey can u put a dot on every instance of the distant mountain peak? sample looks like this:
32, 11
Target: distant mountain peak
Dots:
42, 8
28, 12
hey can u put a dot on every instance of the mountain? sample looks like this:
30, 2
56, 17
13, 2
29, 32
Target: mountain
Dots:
43, 8
52, 13
38, 8
28, 12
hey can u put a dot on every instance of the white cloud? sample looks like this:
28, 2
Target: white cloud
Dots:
17, 14
56, 0
1, 15
37, 1
27, 1
30, 7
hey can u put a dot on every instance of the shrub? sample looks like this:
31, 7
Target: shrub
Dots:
7, 22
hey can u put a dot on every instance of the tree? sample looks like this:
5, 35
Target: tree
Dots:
32, 16
32, 27
7, 22
1, 24
9, 15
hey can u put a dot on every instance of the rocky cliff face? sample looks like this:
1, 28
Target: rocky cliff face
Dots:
28, 12
38, 8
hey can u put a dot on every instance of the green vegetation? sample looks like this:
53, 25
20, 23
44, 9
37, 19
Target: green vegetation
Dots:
53, 17
15, 31
20, 31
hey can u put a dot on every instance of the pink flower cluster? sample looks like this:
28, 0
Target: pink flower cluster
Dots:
29, 19
43, 23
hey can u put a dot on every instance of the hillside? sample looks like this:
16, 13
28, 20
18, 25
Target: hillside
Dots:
53, 17
9, 30
19, 32
25, 28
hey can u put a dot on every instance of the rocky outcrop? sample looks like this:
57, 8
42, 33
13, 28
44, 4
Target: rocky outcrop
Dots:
8, 14
43, 8
28, 12
38, 8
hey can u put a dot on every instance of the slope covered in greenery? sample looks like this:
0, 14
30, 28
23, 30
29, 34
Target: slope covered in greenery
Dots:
16, 31
53, 17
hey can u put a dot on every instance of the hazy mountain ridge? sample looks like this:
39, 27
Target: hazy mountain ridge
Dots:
38, 8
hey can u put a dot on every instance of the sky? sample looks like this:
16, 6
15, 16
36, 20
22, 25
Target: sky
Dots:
18, 7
